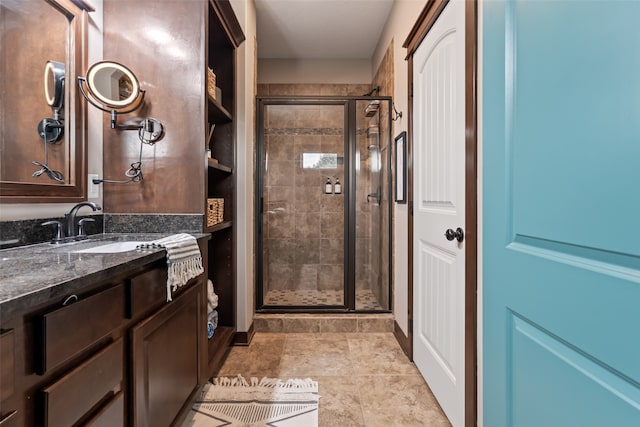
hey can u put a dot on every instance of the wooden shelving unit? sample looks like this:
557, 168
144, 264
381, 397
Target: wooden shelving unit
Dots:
224, 35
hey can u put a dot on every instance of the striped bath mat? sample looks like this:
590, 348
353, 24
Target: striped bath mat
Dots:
256, 403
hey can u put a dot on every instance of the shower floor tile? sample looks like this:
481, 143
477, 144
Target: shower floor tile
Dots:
365, 298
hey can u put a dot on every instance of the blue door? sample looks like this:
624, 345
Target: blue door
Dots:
561, 213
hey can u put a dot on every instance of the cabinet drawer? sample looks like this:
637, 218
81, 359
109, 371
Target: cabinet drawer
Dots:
7, 365
70, 329
111, 415
71, 397
146, 291
9, 420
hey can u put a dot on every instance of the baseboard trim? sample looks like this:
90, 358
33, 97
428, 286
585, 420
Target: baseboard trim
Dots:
244, 338
402, 339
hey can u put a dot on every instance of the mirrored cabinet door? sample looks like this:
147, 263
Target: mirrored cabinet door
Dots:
43, 122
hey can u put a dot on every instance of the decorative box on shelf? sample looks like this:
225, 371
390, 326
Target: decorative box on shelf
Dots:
211, 83
215, 211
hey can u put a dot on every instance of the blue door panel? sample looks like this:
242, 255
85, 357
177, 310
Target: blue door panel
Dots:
561, 213
551, 383
575, 108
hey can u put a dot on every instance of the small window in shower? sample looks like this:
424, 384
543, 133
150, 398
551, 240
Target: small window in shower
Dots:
319, 160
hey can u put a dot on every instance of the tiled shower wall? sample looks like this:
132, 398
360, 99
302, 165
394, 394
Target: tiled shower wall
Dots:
313, 89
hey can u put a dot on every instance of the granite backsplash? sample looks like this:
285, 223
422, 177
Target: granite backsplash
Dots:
31, 231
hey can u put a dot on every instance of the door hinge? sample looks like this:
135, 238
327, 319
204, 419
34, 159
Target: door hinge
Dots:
410, 207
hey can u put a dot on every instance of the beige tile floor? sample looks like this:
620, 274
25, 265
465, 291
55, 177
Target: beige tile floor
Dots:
364, 378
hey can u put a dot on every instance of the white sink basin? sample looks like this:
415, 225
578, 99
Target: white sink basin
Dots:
111, 248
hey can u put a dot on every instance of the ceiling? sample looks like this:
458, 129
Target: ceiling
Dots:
320, 29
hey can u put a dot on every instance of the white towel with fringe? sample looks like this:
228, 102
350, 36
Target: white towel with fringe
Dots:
184, 260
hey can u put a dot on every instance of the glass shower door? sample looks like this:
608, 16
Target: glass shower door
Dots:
372, 209
303, 205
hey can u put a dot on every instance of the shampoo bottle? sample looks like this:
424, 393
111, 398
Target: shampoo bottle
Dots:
337, 188
328, 187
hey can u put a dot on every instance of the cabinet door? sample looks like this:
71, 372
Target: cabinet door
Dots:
165, 359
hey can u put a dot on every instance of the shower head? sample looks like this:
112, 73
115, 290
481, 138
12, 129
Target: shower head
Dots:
372, 108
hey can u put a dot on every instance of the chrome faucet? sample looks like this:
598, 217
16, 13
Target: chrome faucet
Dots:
70, 218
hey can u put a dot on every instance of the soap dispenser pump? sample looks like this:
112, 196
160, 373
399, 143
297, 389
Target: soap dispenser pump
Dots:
328, 187
337, 187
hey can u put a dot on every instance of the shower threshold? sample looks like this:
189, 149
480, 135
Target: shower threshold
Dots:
323, 322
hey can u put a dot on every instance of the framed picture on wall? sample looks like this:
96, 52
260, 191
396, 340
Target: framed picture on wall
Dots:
400, 147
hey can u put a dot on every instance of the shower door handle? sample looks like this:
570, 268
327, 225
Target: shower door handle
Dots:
376, 196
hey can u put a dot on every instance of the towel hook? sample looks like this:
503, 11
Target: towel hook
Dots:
397, 114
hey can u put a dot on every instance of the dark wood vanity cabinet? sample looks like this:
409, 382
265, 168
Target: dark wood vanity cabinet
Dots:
116, 354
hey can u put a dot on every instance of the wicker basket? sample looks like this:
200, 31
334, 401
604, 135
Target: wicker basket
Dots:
215, 211
211, 83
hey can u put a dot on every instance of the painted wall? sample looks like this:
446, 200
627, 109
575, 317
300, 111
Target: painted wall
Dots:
402, 17
314, 71
245, 154
19, 211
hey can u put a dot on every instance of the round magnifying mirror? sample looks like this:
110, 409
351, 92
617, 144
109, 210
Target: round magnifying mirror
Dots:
113, 84
54, 84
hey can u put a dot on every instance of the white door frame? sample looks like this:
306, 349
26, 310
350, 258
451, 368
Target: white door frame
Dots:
425, 21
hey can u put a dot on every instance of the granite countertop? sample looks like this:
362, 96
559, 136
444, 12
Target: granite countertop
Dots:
35, 274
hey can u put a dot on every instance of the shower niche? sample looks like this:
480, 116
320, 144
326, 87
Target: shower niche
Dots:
323, 204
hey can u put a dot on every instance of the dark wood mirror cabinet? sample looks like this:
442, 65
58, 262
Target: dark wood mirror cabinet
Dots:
33, 33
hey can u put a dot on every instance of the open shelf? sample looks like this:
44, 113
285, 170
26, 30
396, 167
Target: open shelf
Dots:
218, 227
219, 166
217, 112
218, 346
